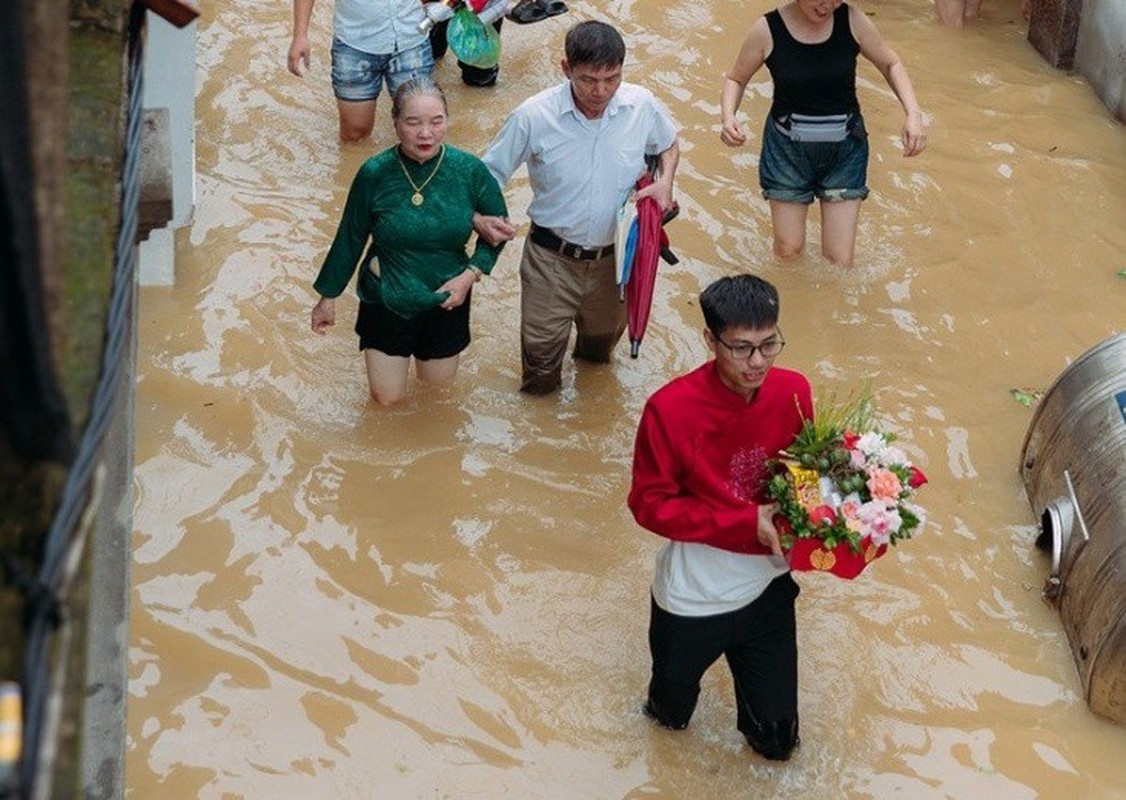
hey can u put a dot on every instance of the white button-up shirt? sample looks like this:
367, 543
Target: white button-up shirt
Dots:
581, 169
378, 27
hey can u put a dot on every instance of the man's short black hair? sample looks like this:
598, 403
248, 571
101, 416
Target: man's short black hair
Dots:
739, 301
594, 44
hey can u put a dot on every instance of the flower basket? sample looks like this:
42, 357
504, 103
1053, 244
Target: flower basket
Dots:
844, 493
811, 555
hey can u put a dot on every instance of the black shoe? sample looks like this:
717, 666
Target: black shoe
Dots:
773, 751
651, 712
475, 76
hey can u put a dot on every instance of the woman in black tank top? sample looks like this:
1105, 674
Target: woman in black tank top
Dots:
814, 142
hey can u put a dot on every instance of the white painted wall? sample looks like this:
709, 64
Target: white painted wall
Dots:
170, 54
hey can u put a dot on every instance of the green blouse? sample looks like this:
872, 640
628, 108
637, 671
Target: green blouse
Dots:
417, 248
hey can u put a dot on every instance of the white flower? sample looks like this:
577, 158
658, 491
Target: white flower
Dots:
893, 455
876, 448
878, 521
829, 494
870, 444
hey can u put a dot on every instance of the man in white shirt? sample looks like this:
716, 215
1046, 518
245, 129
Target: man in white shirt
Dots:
374, 41
585, 143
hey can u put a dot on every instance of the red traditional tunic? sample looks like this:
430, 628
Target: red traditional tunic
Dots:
699, 474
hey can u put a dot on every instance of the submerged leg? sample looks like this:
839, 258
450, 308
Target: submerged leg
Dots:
601, 319
357, 118
682, 649
549, 299
951, 12
387, 376
764, 667
838, 230
789, 228
437, 370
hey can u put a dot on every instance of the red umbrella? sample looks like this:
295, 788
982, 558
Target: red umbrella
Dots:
652, 243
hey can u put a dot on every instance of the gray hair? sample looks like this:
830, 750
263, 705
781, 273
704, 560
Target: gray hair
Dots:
416, 87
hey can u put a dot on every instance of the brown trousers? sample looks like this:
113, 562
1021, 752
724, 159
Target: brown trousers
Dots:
556, 291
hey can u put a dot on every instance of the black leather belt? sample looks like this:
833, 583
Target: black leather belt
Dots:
544, 237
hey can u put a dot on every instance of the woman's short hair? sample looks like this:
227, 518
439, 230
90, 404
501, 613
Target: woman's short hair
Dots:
594, 44
739, 301
416, 87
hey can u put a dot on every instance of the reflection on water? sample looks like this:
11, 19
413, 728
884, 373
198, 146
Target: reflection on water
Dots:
449, 599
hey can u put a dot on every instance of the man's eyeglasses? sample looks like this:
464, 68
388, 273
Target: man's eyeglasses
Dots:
744, 351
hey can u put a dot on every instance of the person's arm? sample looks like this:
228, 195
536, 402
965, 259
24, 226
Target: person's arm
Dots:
660, 503
661, 188
502, 157
492, 11
488, 204
324, 315
753, 54
299, 47
875, 49
494, 230
510, 148
347, 247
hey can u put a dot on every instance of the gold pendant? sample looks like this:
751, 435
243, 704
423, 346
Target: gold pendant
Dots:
417, 198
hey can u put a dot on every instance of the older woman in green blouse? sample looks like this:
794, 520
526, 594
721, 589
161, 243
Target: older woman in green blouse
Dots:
415, 203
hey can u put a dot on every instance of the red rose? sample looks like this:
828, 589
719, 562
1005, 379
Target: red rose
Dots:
822, 515
850, 439
917, 478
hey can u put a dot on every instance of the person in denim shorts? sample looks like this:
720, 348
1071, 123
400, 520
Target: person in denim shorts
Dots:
374, 42
815, 145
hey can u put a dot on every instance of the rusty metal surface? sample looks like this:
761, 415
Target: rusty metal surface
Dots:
1079, 432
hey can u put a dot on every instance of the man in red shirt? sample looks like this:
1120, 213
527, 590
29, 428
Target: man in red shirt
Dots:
722, 585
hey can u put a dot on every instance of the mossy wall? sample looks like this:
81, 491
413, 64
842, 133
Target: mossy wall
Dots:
75, 132
75, 67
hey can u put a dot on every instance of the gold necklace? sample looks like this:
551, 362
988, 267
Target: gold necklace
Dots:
417, 198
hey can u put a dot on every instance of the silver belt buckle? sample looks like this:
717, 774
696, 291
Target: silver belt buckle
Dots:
576, 252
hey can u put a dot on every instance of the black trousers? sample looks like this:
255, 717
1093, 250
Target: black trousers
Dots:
759, 642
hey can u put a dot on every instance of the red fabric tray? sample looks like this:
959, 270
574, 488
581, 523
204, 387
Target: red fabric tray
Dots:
810, 555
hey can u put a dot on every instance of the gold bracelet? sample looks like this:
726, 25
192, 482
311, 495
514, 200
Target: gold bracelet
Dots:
477, 273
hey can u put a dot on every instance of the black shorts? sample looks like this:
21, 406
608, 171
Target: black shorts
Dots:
433, 334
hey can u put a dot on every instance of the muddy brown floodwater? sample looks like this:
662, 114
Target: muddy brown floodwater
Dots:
448, 599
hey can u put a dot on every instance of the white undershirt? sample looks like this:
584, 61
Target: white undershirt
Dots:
698, 580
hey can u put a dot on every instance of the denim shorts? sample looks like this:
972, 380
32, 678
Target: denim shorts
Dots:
358, 76
436, 333
797, 172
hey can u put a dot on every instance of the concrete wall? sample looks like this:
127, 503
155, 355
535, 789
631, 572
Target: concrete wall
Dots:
170, 84
1100, 51
107, 654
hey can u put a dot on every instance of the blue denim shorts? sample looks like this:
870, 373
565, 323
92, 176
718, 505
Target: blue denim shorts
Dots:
358, 76
797, 172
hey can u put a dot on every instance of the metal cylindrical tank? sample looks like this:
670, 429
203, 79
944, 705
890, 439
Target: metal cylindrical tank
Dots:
1074, 469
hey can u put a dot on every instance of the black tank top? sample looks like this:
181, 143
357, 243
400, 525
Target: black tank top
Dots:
814, 79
